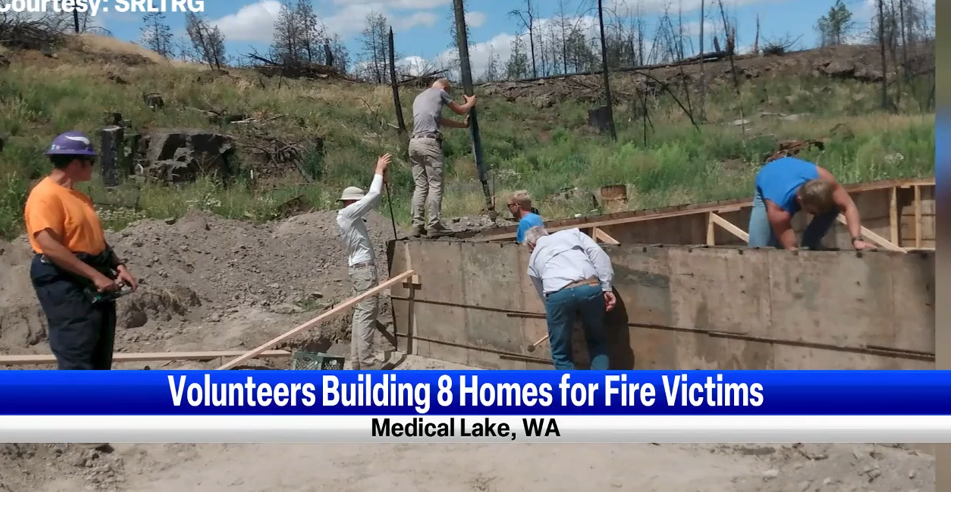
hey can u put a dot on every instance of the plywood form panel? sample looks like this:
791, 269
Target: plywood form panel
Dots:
642, 283
788, 357
913, 303
491, 278
928, 228
833, 298
689, 229
698, 351
645, 349
532, 329
720, 289
441, 270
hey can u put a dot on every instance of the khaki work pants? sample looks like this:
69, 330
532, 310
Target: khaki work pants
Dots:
365, 316
427, 168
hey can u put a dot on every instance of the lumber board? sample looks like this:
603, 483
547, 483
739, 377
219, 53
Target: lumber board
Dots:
333, 312
121, 357
603, 236
727, 225
880, 241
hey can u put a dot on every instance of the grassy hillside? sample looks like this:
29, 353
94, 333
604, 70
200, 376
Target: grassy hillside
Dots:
543, 150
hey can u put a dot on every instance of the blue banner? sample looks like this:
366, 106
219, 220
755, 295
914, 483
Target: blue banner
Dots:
857, 392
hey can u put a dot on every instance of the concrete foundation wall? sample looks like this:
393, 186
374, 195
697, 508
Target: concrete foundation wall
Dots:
680, 308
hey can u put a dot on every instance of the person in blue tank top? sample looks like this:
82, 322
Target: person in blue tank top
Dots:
787, 185
521, 208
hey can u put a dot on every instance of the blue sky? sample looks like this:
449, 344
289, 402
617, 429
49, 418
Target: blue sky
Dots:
421, 26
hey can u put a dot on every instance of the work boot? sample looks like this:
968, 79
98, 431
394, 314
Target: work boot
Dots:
418, 231
439, 230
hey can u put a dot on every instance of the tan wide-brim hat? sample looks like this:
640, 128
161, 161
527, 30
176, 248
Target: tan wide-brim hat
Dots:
352, 193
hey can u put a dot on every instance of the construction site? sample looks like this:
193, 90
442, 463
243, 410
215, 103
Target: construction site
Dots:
246, 276
704, 301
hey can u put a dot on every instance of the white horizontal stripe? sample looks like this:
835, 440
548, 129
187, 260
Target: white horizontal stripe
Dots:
573, 429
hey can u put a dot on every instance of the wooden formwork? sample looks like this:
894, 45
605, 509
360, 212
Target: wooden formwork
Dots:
693, 296
895, 214
681, 307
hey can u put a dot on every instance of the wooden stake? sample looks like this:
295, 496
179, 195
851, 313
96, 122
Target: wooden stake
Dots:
894, 221
710, 237
917, 217
333, 312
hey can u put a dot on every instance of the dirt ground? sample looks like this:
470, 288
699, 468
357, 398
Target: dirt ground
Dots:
213, 284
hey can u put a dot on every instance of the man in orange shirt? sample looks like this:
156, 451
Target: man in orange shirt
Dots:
74, 271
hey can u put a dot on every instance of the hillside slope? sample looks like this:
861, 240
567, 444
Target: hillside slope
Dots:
303, 139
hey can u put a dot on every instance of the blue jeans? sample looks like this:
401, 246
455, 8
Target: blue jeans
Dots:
562, 306
760, 232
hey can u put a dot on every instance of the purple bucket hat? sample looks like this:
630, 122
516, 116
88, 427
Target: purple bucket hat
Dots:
72, 143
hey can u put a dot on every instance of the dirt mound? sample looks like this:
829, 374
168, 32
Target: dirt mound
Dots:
207, 283
857, 62
25, 467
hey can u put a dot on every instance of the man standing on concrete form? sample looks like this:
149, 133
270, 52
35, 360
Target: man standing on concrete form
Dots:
361, 263
521, 207
787, 185
427, 158
573, 276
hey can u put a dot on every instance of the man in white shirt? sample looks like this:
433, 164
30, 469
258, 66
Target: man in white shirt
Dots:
573, 276
361, 264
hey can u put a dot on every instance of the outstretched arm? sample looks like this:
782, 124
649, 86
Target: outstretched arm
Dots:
360, 208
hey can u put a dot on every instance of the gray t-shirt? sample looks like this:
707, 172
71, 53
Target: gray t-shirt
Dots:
427, 111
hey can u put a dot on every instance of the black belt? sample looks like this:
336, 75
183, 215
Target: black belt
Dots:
360, 265
434, 136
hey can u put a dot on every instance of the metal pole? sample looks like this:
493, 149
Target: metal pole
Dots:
606, 72
463, 46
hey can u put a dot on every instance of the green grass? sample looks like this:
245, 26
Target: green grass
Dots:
543, 151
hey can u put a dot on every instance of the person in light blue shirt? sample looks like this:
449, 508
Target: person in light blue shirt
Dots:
574, 277
521, 207
787, 185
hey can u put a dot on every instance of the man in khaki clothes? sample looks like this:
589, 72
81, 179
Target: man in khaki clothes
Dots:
361, 264
427, 158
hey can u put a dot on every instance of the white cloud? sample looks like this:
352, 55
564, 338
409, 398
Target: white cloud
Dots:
475, 19
350, 20
254, 22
